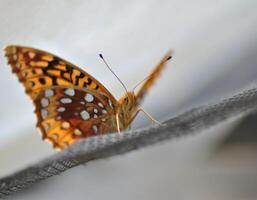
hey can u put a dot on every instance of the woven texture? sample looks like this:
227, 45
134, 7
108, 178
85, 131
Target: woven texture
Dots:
190, 122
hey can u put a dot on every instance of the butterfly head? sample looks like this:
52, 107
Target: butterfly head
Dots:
128, 108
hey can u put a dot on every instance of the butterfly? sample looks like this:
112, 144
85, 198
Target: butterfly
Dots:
70, 104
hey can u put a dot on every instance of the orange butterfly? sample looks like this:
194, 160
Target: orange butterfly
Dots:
70, 103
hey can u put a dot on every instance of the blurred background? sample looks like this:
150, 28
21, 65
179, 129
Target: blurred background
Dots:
215, 44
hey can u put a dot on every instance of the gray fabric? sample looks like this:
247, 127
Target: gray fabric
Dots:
104, 146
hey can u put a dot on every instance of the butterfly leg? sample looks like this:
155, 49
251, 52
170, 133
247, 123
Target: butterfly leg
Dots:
118, 123
149, 116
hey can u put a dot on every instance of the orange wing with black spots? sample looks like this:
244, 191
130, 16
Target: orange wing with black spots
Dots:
67, 114
70, 103
38, 70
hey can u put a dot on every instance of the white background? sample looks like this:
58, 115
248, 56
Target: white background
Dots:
215, 55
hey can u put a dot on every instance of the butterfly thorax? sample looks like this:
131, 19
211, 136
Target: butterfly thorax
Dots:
127, 109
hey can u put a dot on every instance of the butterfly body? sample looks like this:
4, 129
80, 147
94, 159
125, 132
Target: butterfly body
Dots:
70, 104
127, 110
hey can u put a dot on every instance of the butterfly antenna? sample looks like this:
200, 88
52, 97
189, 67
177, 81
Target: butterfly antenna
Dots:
101, 56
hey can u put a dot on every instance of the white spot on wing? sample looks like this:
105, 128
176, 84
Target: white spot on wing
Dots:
49, 92
44, 113
85, 115
77, 132
14, 57
110, 102
104, 111
89, 97
95, 110
66, 100
61, 109
65, 125
100, 104
70, 92
95, 116
44, 102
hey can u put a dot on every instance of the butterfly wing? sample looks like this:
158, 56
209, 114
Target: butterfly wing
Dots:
37, 70
67, 114
63, 117
152, 77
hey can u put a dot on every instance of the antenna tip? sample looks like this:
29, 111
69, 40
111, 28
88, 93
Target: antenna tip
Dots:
169, 58
101, 56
